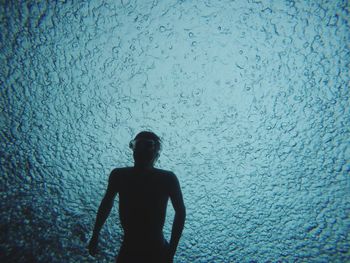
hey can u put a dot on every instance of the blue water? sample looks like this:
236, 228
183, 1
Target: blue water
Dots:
251, 100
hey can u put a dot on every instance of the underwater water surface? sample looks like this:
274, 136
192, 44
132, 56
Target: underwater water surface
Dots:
251, 100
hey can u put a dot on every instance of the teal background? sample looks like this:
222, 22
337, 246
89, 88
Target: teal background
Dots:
251, 99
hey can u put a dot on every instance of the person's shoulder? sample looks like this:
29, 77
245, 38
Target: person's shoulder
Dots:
165, 172
168, 176
119, 172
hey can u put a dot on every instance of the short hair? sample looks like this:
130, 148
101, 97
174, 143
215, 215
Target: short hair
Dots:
150, 136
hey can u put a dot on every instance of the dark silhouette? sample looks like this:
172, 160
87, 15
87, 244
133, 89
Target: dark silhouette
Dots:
143, 196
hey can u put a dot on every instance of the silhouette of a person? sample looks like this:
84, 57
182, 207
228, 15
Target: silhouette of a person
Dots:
143, 196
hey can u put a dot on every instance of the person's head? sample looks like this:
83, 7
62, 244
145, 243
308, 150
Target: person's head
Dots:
146, 148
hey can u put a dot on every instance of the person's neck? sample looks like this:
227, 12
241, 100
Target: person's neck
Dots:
143, 165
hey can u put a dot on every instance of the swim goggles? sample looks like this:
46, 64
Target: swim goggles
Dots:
142, 144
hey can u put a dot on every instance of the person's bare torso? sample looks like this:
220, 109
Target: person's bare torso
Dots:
143, 197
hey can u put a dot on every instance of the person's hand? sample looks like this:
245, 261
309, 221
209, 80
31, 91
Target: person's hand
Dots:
93, 246
169, 256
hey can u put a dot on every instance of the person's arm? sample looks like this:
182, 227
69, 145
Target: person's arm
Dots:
179, 218
103, 212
